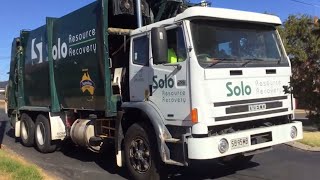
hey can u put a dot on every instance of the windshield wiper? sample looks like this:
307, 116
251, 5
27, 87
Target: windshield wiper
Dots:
279, 61
249, 60
219, 60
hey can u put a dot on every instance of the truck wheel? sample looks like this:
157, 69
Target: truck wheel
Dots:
27, 130
141, 156
237, 160
43, 135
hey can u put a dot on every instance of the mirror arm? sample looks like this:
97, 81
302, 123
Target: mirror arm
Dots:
178, 66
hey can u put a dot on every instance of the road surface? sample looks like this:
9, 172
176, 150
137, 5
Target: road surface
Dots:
73, 163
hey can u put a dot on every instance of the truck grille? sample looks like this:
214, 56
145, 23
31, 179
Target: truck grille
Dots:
222, 118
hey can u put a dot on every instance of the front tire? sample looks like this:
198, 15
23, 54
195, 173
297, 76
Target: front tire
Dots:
141, 155
27, 130
43, 135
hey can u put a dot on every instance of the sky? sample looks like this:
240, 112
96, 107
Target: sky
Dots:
18, 15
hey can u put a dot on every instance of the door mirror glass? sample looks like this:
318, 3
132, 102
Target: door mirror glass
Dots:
159, 44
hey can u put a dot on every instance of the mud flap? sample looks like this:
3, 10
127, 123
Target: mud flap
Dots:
58, 128
119, 138
17, 129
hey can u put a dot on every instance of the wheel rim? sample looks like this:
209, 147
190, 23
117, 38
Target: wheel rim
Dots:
24, 131
139, 154
40, 131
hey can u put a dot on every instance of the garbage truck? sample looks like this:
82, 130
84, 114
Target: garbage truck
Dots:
165, 85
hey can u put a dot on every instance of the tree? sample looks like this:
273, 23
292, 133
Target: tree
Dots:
302, 43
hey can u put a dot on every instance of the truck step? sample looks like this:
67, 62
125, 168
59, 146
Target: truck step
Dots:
173, 140
177, 152
105, 127
172, 162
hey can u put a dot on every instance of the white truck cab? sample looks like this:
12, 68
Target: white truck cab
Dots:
208, 83
226, 87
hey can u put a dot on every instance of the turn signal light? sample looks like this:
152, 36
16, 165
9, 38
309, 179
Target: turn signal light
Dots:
194, 115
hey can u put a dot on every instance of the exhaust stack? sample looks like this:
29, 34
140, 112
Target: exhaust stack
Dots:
139, 15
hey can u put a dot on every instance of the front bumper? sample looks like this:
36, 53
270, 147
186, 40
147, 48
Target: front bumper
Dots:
207, 148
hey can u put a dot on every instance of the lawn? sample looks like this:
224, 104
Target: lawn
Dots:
12, 168
311, 139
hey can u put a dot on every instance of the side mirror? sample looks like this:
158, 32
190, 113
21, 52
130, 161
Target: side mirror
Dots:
159, 44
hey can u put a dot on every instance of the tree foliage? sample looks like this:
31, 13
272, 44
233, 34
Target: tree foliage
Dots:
302, 44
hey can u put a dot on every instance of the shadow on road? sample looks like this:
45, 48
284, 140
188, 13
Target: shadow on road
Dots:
209, 169
197, 171
106, 160
10, 133
3, 125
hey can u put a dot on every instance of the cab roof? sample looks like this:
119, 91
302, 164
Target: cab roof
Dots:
215, 13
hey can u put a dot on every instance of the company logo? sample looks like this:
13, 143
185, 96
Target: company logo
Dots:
39, 47
75, 45
163, 83
59, 51
238, 90
86, 84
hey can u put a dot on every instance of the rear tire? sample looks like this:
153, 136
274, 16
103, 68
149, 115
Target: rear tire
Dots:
142, 158
43, 135
27, 130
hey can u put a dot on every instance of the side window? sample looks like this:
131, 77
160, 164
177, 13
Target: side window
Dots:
176, 46
141, 51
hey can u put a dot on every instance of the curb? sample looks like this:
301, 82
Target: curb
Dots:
300, 111
304, 147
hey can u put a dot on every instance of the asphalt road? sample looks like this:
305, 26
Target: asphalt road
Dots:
72, 163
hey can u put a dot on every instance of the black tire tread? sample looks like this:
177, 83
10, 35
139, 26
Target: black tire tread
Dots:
156, 171
30, 126
49, 146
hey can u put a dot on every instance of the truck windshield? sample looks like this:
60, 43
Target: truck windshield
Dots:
236, 44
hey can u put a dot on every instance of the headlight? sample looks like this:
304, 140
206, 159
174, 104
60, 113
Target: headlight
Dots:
223, 146
293, 132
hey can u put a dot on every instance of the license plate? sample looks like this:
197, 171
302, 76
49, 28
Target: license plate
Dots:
239, 143
257, 107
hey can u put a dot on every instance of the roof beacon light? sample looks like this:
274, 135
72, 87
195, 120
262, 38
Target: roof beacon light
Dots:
204, 3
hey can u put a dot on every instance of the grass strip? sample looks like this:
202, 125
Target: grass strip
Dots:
311, 138
15, 170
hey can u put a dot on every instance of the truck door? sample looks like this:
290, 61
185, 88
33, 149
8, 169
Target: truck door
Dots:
170, 90
139, 69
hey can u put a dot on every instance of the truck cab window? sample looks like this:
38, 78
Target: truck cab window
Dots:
176, 46
141, 51
235, 42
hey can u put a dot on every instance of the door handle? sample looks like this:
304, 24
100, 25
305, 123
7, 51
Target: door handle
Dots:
235, 72
150, 90
271, 71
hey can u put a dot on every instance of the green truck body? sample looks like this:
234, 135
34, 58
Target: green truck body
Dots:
73, 76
